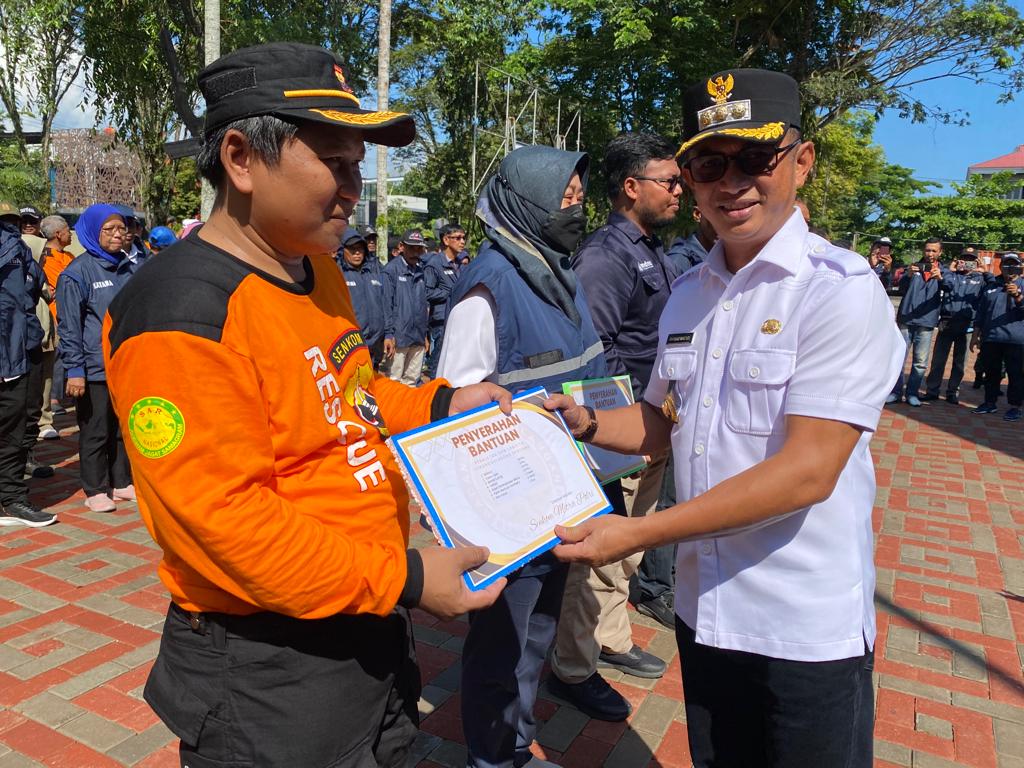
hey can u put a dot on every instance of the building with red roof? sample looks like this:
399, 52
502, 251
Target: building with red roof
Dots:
1012, 162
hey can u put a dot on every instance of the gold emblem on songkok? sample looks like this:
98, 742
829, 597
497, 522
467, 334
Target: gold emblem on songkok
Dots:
720, 89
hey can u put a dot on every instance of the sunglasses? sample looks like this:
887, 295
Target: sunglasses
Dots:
751, 160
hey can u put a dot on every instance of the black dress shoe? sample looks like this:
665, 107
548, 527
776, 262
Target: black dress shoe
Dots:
23, 513
952, 399
928, 396
978, 384
637, 663
593, 697
660, 609
34, 469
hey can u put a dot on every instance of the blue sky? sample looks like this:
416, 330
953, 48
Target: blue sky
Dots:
943, 152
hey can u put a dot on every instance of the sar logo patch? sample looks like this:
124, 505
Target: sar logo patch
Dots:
362, 400
343, 347
156, 426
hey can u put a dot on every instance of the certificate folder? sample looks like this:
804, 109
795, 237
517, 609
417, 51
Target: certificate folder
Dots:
612, 392
500, 481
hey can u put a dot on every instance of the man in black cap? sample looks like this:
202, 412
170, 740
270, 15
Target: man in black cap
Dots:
370, 237
999, 335
367, 290
30, 218
285, 538
774, 360
407, 301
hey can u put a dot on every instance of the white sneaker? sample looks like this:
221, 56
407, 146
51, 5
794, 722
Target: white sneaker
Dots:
125, 494
49, 433
100, 502
890, 399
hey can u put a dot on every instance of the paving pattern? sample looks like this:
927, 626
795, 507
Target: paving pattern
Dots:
80, 614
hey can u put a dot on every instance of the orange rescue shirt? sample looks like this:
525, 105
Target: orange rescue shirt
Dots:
255, 425
54, 263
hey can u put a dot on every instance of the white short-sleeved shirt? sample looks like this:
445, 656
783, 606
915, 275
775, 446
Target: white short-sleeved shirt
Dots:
804, 329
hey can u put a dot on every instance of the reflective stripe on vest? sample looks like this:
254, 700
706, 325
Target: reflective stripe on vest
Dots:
554, 369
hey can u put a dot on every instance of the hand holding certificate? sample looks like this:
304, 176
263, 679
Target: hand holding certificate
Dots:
500, 481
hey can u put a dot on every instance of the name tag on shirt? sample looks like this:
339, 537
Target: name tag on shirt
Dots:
550, 357
679, 338
403, 278
349, 283
645, 265
103, 284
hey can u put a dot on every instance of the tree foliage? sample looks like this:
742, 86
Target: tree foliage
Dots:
41, 58
974, 215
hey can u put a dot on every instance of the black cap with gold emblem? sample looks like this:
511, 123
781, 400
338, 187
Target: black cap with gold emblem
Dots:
293, 81
749, 104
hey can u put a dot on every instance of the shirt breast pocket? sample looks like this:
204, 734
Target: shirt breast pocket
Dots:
676, 367
756, 391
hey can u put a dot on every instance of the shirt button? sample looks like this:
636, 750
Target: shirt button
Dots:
699, 449
727, 305
716, 354
755, 372
671, 371
708, 401
705, 549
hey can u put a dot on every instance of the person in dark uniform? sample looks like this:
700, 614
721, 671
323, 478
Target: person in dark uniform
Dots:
686, 252
518, 317
999, 334
961, 293
880, 260
441, 270
917, 317
366, 287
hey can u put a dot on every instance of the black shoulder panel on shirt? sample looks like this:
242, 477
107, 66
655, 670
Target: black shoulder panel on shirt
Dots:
184, 288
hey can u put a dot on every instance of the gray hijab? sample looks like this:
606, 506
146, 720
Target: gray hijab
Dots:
515, 203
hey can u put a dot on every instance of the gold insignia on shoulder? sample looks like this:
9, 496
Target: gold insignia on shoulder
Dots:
720, 89
771, 327
668, 407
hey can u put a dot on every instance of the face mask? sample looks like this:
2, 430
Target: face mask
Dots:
564, 228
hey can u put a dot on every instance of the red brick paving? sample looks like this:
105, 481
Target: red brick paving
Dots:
80, 613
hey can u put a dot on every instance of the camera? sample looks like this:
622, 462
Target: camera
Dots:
1012, 270
968, 265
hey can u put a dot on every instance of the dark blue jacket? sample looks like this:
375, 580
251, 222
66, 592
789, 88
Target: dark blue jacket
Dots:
538, 345
18, 322
921, 300
440, 276
35, 280
883, 274
960, 297
406, 297
686, 252
366, 287
999, 318
628, 279
84, 291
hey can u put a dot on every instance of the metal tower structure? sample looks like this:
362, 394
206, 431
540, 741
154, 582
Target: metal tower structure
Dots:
522, 115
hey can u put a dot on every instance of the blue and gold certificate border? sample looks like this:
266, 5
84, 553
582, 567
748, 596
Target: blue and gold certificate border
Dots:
498, 564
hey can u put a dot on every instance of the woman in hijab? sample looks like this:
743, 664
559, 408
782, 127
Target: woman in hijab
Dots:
84, 291
518, 318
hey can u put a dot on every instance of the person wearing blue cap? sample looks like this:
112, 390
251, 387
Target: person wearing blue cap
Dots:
366, 289
160, 238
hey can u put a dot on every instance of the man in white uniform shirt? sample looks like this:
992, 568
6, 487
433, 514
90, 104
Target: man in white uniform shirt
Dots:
774, 360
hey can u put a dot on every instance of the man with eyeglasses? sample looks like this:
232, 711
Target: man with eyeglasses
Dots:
623, 269
440, 271
774, 360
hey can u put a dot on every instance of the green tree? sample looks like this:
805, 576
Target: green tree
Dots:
41, 59
22, 182
852, 178
976, 214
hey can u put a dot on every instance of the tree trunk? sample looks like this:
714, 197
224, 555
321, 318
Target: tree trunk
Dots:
211, 52
383, 88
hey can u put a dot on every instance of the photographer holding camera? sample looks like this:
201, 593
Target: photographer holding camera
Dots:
961, 292
999, 332
917, 316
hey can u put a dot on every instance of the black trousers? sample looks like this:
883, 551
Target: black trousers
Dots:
996, 354
944, 340
269, 691
744, 710
103, 462
502, 660
13, 402
34, 403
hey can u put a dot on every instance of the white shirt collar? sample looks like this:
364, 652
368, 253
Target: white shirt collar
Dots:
785, 250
